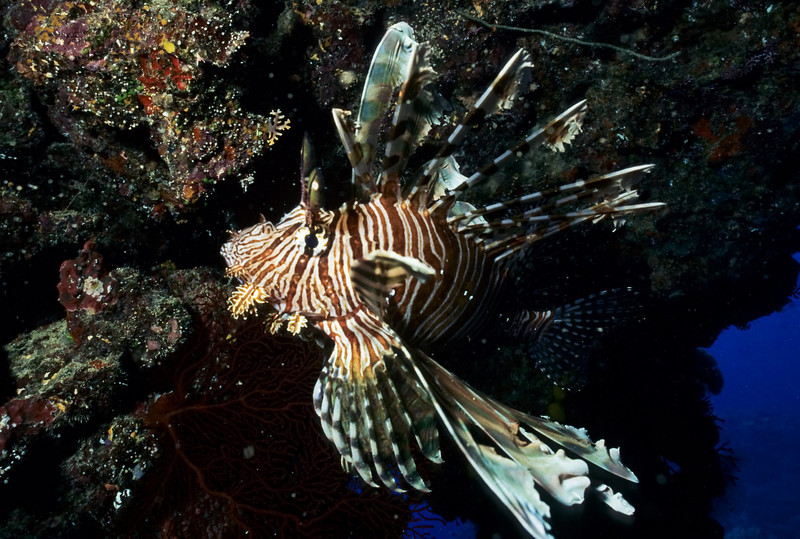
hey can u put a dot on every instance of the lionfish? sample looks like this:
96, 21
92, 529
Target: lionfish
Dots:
407, 266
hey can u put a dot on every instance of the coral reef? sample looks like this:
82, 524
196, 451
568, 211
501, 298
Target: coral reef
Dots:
107, 67
119, 128
171, 418
238, 430
83, 283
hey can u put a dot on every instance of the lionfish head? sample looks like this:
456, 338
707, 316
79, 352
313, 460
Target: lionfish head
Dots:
265, 257
270, 259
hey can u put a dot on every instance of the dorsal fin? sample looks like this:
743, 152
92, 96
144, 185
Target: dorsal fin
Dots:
416, 111
311, 182
557, 132
497, 96
389, 68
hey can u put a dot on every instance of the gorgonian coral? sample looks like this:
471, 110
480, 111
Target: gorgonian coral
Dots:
240, 449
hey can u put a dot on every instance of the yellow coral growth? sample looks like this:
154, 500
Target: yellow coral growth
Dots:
244, 299
276, 124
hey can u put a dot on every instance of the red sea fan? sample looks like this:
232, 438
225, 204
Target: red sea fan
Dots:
241, 451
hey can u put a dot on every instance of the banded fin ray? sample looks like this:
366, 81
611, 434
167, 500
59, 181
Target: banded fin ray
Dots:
346, 129
372, 410
416, 111
387, 70
559, 131
311, 181
549, 225
379, 272
503, 237
591, 190
377, 408
533, 220
518, 459
577, 441
561, 339
497, 96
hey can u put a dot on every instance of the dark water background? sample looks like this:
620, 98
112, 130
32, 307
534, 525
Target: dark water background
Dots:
759, 412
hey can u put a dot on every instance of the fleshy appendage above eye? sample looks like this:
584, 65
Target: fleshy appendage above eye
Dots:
313, 239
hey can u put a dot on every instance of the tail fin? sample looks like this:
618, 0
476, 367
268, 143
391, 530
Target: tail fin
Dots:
516, 457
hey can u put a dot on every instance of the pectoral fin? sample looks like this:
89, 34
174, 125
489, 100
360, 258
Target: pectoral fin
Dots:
379, 272
371, 406
512, 452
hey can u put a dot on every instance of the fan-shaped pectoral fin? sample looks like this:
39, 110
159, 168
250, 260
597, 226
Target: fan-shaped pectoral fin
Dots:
371, 407
379, 272
507, 449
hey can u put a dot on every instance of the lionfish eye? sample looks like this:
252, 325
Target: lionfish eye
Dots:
311, 240
312, 243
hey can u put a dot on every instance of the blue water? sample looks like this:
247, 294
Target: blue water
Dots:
760, 407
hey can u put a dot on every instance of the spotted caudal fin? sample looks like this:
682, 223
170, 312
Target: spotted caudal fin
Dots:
562, 340
515, 454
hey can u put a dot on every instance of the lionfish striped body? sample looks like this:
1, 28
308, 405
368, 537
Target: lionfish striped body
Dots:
408, 267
